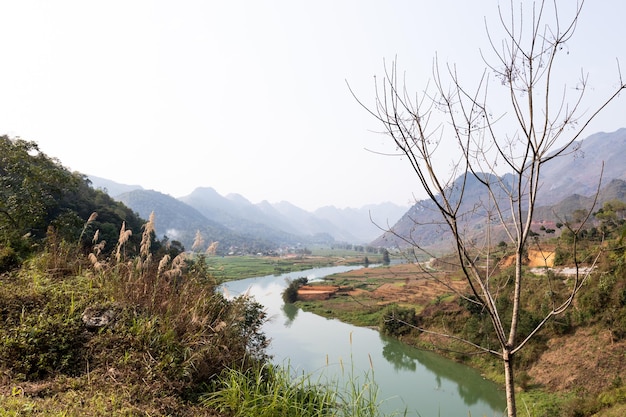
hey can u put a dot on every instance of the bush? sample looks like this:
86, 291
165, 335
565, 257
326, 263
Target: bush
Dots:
8, 258
168, 326
290, 294
397, 321
43, 345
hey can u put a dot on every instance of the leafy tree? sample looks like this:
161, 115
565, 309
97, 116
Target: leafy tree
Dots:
290, 294
31, 184
386, 259
397, 321
468, 128
37, 192
611, 215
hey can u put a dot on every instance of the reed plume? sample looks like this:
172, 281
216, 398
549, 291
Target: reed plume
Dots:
90, 220
124, 236
176, 269
97, 265
198, 242
212, 249
146, 238
162, 264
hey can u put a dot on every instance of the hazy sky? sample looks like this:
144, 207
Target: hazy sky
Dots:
248, 97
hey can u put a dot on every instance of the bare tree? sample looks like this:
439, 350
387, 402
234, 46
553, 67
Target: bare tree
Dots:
535, 123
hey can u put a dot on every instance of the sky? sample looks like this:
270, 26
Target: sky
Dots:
251, 97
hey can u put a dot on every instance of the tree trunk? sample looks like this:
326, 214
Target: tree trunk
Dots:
509, 383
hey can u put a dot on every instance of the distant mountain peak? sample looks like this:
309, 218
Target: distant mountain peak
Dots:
112, 188
567, 183
238, 198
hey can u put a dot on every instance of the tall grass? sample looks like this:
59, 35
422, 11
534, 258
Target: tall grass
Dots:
169, 335
168, 331
190, 330
274, 391
271, 390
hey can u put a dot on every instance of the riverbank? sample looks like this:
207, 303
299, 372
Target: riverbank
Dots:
122, 340
571, 366
230, 268
423, 382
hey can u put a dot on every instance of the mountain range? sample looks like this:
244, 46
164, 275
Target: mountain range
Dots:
569, 183
243, 227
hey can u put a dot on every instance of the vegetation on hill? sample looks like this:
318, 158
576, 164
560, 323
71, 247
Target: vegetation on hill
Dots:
37, 194
573, 367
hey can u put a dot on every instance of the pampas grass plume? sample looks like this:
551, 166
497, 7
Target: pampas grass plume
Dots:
198, 242
212, 249
163, 263
148, 228
92, 217
124, 236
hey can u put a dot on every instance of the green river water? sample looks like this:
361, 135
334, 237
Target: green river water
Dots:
422, 383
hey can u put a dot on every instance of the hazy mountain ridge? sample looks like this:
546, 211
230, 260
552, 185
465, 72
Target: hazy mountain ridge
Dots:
179, 221
110, 187
579, 172
232, 219
568, 183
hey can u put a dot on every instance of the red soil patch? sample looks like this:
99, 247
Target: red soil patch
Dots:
404, 284
316, 292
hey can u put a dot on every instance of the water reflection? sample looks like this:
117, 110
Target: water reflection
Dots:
291, 312
406, 357
422, 382
398, 358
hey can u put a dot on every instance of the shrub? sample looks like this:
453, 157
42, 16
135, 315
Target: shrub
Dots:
169, 325
397, 321
8, 258
290, 294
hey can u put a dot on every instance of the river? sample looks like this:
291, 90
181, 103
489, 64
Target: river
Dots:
423, 383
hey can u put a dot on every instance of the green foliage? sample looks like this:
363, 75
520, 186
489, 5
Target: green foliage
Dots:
397, 320
37, 193
167, 331
539, 404
611, 216
290, 294
269, 391
43, 345
8, 258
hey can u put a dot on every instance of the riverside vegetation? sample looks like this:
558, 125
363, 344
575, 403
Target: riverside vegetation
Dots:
574, 367
99, 318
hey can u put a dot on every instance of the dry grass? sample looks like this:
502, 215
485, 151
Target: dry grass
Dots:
170, 332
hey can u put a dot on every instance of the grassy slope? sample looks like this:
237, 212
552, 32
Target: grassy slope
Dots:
153, 359
568, 370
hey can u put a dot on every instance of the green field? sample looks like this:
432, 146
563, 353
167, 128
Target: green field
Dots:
229, 268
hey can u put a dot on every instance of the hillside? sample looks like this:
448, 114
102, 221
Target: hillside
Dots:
568, 184
145, 328
270, 225
179, 221
127, 326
